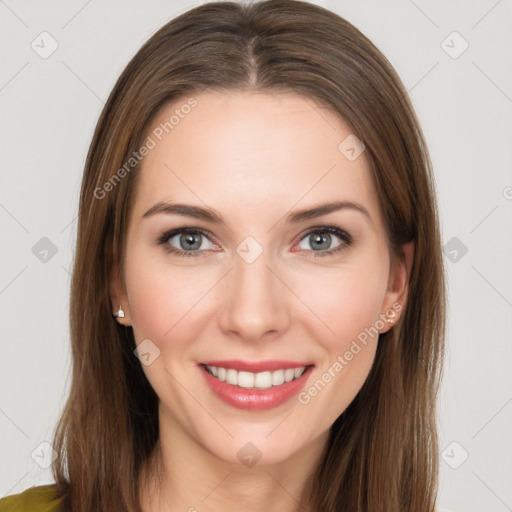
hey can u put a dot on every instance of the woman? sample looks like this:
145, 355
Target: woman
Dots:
257, 304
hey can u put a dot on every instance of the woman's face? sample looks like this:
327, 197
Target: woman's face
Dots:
267, 285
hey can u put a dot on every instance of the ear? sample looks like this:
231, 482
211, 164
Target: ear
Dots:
398, 285
118, 296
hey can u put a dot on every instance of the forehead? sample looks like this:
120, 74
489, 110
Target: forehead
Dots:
244, 150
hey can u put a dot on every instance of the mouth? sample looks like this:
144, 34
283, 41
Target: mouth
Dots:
255, 390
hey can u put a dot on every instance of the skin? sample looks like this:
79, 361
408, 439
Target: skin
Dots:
254, 158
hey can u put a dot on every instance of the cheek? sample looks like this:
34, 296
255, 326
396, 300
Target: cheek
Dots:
161, 297
348, 303
347, 300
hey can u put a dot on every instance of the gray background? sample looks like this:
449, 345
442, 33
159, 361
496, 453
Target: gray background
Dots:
49, 110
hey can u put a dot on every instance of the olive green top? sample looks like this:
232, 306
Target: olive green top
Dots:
42, 498
35, 499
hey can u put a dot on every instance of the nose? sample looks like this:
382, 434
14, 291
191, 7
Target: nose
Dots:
255, 302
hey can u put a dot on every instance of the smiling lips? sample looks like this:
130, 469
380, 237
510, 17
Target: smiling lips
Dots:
255, 385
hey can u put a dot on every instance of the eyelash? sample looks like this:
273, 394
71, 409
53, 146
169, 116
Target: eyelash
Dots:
343, 235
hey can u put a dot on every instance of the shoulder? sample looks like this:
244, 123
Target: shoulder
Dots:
42, 498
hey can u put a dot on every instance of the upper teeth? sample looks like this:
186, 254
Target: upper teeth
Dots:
249, 380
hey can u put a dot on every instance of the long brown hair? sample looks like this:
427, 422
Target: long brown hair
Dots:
382, 453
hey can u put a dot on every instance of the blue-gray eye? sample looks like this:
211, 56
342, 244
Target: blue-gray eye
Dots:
321, 238
190, 241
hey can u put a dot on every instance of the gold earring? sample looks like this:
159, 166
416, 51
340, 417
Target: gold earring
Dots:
120, 313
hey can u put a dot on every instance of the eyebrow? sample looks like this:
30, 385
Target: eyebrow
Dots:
210, 215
